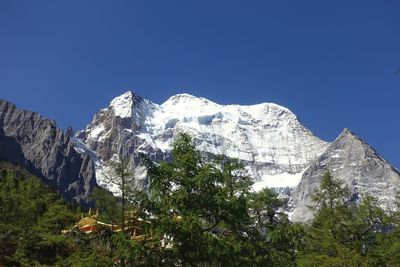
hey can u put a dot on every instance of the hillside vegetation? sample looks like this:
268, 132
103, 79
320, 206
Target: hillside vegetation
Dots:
197, 213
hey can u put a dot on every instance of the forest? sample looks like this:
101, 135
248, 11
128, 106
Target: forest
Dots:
196, 212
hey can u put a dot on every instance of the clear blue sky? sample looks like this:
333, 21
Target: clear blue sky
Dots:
332, 63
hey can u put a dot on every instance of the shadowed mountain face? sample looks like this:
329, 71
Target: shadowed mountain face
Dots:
36, 144
358, 165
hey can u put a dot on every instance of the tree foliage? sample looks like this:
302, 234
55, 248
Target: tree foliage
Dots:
199, 211
31, 219
119, 174
344, 233
207, 214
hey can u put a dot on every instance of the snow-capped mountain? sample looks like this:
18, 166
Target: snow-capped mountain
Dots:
275, 147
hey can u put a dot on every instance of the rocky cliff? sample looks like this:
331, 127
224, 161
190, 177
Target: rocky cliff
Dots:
35, 143
354, 162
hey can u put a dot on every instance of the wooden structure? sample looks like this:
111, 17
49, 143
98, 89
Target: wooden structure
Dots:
91, 224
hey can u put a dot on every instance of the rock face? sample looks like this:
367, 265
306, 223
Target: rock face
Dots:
269, 139
36, 144
357, 164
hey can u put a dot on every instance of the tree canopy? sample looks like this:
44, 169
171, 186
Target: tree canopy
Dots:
31, 219
345, 233
207, 214
198, 211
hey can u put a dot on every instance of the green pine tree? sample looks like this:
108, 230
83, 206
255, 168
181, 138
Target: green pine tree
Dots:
204, 213
343, 233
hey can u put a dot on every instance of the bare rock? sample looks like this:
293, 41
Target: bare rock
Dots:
35, 143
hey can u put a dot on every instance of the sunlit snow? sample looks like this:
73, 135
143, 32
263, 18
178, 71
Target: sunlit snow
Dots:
122, 105
278, 180
261, 135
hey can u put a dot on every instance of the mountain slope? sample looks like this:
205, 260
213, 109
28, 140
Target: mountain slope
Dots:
269, 139
36, 144
354, 162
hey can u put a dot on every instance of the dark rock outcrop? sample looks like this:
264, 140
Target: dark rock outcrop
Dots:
35, 143
69, 132
354, 162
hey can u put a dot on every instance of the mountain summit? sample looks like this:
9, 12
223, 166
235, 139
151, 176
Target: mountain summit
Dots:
269, 139
358, 165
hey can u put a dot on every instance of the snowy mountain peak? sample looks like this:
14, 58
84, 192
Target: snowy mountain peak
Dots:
267, 138
275, 148
183, 96
123, 104
191, 106
187, 99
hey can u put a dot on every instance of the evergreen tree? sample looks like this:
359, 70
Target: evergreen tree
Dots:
388, 252
31, 219
274, 241
204, 213
119, 174
343, 233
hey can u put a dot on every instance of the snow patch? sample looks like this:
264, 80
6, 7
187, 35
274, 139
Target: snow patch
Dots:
95, 132
278, 180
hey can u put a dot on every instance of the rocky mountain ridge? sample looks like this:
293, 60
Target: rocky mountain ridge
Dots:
35, 143
358, 165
